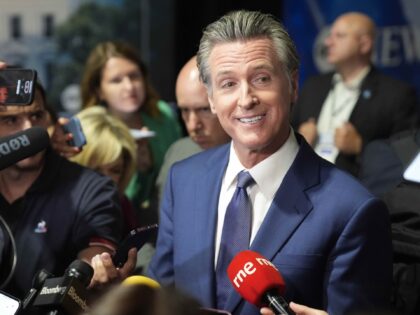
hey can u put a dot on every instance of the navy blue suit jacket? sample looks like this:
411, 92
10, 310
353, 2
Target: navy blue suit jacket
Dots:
328, 236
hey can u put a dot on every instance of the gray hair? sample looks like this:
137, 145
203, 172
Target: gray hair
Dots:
242, 26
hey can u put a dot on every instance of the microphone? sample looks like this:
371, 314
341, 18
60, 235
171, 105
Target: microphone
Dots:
142, 280
258, 281
67, 294
21, 145
37, 283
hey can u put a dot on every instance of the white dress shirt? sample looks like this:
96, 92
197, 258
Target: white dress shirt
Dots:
335, 111
268, 176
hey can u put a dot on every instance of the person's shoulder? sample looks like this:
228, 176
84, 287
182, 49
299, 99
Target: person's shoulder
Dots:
73, 172
182, 148
319, 83
205, 157
166, 109
185, 142
198, 168
409, 135
340, 184
321, 78
387, 81
378, 153
341, 196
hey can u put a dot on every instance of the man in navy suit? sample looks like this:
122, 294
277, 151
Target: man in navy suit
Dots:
328, 236
340, 112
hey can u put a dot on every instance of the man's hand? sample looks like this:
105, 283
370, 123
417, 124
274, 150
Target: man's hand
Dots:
347, 139
105, 271
59, 140
308, 131
3, 65
304, 310
297, 308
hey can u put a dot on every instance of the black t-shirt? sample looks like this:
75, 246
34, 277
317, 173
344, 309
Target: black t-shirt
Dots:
67, 208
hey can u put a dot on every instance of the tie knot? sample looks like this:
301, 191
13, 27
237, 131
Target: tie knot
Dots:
244, 179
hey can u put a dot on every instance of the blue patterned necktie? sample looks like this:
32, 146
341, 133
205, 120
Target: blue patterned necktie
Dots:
235, 235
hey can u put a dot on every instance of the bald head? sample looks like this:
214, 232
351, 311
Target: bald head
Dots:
188, 83
202, 125
359, 23
350, 43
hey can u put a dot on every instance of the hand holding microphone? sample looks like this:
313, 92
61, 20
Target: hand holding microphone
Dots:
258, 281
106, 272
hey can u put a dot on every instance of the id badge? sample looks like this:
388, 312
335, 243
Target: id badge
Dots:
325, 147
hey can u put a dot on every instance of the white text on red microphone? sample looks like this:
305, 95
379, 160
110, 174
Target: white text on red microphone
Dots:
249, 269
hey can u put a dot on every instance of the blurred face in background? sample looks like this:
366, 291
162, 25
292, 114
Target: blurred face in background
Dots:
350, 39
202, 125
122, 86
18, 118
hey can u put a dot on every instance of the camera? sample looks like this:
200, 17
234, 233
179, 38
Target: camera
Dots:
17, 86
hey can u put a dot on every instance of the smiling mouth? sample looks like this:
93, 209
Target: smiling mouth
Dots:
251, 120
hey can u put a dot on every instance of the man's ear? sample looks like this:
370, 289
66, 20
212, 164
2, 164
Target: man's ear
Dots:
213, 109
366, 44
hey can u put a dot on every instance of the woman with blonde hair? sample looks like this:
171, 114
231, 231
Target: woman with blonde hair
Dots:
110, 150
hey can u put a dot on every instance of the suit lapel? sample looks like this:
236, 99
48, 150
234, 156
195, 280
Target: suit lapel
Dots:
367, 93
288, 209
205, 207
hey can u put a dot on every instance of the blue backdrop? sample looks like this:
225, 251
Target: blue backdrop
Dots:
398, 33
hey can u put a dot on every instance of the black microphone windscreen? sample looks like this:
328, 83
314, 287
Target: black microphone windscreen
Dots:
80, 270
37, 282
40, 277
21, 145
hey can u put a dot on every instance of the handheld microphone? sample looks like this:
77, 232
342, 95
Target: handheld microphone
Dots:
258, 281
37, 283
66, 294
21, 145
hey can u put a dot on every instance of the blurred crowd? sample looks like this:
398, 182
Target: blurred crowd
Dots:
69, 202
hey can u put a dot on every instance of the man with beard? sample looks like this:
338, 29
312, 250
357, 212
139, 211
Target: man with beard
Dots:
57, 210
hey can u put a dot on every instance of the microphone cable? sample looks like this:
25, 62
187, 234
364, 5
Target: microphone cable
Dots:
13, 257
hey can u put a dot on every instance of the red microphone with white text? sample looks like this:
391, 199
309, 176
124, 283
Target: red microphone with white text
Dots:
258, 281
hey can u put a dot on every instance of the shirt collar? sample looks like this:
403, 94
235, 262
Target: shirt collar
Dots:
269, 173
356, 82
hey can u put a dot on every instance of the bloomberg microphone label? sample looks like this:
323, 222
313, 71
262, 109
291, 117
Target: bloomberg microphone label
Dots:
54, 290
